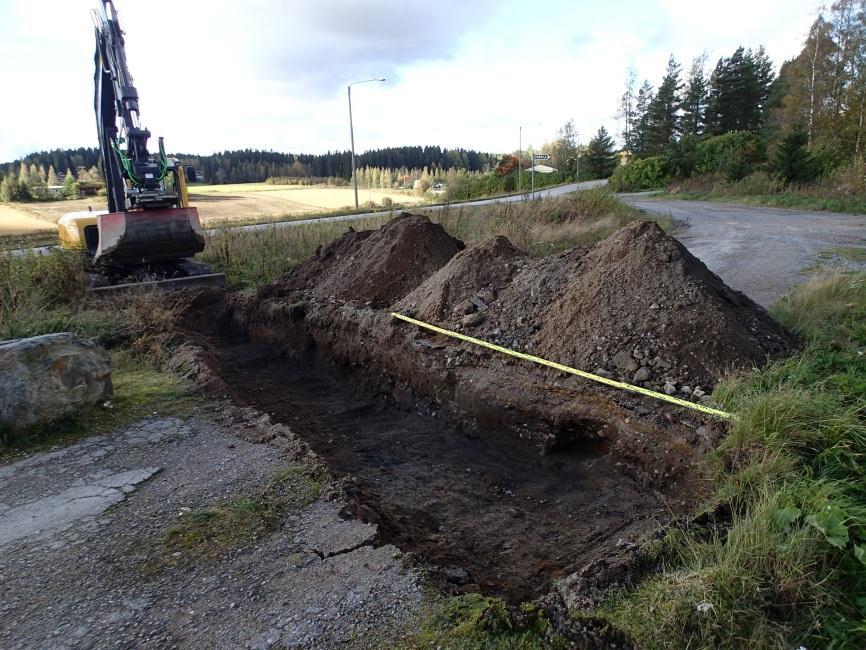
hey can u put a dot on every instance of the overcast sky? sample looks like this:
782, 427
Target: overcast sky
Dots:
270, 74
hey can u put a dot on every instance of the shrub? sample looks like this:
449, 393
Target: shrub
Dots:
734, 154
387, 202
643, 174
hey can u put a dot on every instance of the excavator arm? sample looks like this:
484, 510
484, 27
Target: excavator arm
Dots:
149, 218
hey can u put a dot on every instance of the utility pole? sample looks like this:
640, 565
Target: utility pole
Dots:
352, 132
520, 150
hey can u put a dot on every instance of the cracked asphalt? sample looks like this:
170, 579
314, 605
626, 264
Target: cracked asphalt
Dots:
82, 563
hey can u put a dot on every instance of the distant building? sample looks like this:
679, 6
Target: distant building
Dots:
542, 169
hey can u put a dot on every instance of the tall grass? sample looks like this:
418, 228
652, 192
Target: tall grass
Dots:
541, 227
789, 569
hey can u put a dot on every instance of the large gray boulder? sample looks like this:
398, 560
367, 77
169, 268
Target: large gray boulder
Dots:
46, 376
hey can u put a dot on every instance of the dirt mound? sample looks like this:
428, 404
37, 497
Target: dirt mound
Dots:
637, 306
467, 283
376, 267
646, 309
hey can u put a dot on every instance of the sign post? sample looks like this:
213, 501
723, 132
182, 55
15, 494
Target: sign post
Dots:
536, 157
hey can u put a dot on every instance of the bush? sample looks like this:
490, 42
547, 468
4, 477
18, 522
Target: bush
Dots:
734, 154
387, 202
643, 174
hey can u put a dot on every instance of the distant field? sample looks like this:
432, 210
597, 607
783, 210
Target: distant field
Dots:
215, 203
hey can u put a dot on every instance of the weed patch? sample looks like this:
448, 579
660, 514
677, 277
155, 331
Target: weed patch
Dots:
207, 532
480, 622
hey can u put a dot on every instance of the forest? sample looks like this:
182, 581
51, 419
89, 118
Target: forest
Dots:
740, 128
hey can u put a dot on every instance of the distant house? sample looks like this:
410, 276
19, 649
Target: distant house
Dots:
542, 169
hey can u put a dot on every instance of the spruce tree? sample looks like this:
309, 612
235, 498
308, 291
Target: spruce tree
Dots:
640, 131
9, 190
663, 124
70, 186
694, 106
792, 161
601, 158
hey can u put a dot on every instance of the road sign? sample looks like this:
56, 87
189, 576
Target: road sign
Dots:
541, 156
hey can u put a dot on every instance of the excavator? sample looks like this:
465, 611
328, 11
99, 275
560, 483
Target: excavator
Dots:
149, 233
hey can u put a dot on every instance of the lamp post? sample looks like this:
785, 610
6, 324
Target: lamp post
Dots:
520, 150
352, 132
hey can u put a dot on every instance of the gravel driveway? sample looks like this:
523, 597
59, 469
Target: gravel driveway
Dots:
82, 561
759, 251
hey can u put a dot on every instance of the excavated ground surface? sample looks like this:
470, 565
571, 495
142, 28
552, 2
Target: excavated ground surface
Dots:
500, 475
488, 512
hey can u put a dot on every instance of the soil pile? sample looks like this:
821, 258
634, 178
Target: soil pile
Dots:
637, 306
375, 267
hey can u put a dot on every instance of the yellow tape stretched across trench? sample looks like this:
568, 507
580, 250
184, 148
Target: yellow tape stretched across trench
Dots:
574, 371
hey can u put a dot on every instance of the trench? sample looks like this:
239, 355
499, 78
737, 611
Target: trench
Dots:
482, 510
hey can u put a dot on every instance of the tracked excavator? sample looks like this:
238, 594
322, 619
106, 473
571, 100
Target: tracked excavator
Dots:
150, 232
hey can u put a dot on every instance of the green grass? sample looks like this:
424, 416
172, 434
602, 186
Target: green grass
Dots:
792, 200
789, 568
477, 622
252, 258
208, 532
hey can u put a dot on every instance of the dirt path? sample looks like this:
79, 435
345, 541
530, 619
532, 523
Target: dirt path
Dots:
759, 251
83, 565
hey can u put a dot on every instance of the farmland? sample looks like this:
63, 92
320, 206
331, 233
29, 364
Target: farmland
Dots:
216, 204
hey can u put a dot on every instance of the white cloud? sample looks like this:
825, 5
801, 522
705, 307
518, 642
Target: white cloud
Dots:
265, 74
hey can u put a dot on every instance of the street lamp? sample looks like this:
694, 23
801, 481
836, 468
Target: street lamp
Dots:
352, 132
520, 150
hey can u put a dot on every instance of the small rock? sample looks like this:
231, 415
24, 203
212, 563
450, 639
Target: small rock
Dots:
643, 374
669, 388
601, 372
623, 360
472, 320
686, 390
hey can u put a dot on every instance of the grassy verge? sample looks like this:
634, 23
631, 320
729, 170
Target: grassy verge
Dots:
483, 623
788, 568
793, 200
207, 532
541, 227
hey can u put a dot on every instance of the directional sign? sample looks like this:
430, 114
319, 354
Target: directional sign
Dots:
541, 156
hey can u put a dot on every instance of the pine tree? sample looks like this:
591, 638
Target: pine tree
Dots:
24, 183
694, 106
52, 177
601, 158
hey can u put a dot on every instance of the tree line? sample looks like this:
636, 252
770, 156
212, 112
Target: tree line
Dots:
251, 165
738, 118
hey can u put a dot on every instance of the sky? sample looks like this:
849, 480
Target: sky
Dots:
214, 75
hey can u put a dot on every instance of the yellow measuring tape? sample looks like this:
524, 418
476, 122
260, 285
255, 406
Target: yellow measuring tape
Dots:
573, 371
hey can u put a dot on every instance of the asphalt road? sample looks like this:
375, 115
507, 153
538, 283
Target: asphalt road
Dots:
759, 251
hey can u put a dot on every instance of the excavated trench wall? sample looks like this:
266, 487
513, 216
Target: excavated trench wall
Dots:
638, 306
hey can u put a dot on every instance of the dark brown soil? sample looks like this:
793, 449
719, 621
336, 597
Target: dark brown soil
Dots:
487, 511
376, 267
502, 474
638, 306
